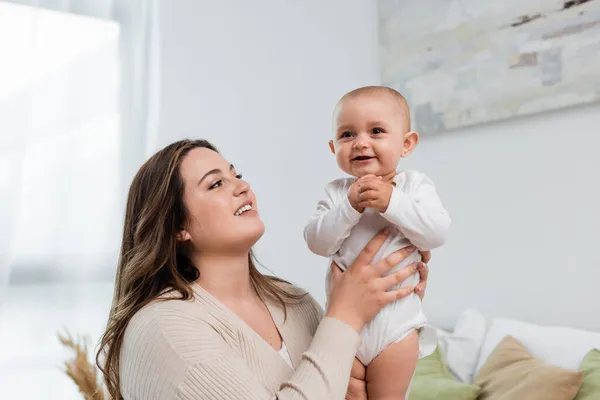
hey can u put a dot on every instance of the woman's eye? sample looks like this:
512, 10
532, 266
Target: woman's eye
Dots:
215, 185
377, 130
346, 134
239, 176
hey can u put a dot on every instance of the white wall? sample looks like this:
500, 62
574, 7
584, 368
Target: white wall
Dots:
260, 79
524, 196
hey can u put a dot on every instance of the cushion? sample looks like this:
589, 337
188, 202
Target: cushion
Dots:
562, 347
461, 347
590, 389
512, 373
433, 381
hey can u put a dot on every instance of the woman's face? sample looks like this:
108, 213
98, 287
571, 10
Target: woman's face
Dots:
223, 215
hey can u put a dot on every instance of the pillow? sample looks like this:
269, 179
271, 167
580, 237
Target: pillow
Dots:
590, 389
433, 381
461, 347
562, 347
511, 372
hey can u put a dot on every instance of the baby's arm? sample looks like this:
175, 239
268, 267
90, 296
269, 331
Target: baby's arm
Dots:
418, 212
332, 221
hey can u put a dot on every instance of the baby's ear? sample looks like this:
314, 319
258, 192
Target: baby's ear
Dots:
411, 139
331, 147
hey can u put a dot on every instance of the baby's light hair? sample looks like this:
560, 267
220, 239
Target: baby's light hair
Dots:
369, 90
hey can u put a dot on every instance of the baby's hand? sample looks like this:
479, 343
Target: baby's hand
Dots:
374, 192
353, 195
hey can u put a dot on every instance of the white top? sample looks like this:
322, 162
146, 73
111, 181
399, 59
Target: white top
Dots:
415, 214
283, 352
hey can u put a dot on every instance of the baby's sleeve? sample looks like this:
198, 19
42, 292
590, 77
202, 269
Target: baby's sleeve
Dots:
332, 221
416, 209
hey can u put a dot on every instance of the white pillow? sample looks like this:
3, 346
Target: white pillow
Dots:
461, 347
562, 347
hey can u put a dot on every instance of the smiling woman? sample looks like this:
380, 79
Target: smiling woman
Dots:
220, 192
247, 206
179, 203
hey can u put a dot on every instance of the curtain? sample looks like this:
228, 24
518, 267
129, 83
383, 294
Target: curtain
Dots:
78, 98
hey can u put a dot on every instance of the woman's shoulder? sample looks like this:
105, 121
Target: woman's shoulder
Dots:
168, 322
169, 334
157, 311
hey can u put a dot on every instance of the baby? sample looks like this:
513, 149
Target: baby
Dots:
372, 133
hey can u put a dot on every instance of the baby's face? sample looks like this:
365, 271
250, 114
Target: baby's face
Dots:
369, 134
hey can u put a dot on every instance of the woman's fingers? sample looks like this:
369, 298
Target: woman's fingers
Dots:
393, 295
423, 271
358, 370
425, 256
422, 285
384, 265
368, 253
397, 277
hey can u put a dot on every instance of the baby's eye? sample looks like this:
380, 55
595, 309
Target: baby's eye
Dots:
215, 185
239, 176
346, 134
377, 130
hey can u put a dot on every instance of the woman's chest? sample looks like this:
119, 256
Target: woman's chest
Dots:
255, 342
262, 324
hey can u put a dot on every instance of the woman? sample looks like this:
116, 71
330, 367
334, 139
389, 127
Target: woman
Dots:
192, 318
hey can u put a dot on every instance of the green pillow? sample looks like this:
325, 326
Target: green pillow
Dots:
433, 381
590, 388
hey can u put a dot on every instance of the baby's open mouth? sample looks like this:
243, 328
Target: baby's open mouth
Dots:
362, 158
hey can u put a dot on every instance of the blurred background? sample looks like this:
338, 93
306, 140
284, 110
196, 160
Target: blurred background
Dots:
90, 88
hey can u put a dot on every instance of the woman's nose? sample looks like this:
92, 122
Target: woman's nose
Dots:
241, 187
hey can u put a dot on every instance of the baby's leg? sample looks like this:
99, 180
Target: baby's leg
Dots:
389, 374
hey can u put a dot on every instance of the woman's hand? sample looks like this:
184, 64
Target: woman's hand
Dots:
360, 292
357, 388
425, 256
423, 273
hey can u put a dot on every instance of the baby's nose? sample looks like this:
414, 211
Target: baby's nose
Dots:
361, 142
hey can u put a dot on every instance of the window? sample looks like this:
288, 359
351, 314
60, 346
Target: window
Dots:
60, 205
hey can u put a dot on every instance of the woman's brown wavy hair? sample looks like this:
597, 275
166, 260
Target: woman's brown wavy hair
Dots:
151, 262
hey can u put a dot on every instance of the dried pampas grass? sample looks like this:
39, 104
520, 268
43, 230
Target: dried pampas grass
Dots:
81, 371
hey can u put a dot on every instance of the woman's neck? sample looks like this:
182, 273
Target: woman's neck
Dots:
226, 277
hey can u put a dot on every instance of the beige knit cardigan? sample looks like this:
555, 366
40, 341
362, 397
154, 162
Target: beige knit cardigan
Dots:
199, 349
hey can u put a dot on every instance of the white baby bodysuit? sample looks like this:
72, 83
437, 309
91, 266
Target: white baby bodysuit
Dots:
416, 216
